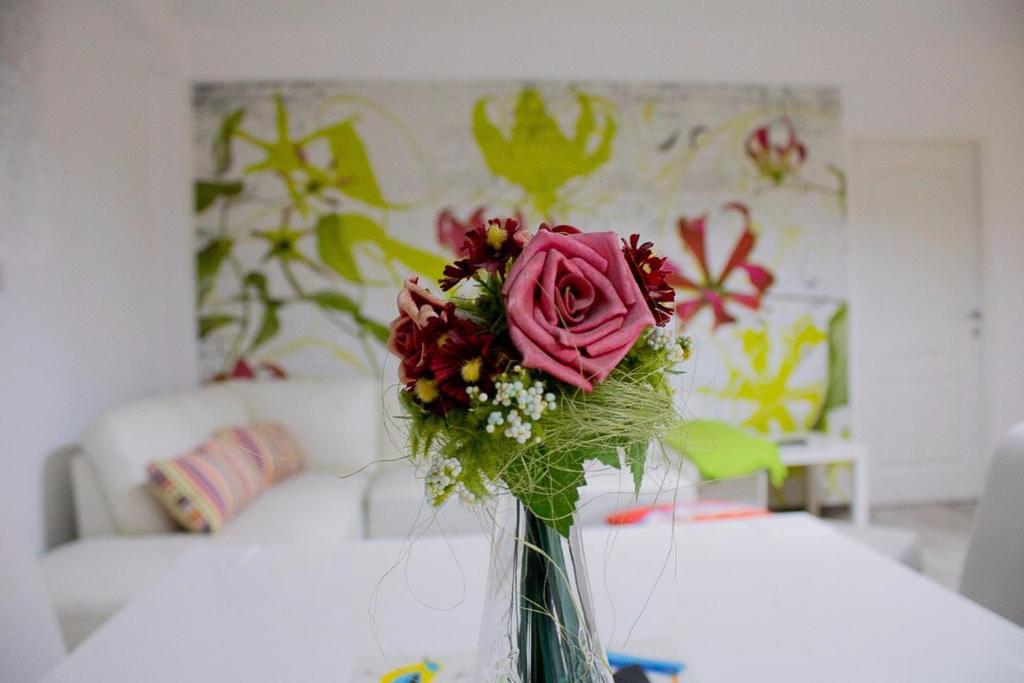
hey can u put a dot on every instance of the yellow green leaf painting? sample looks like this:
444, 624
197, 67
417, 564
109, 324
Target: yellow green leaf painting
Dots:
535, 154
313, 200
765, 376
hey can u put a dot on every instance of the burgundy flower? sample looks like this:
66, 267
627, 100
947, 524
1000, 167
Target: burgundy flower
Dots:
451, 232
416, 308
456, 272
489, 248
650, 272
441, 354
461, 357
712, 291
776, 158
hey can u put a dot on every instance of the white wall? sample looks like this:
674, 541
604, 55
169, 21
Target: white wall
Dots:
100, 311
923, 68
106, 313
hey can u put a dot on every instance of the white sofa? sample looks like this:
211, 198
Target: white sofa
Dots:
126, 540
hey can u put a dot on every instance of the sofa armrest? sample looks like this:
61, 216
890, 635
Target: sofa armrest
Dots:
92, 516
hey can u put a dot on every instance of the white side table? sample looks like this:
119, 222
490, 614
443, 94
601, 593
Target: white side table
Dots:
815, 452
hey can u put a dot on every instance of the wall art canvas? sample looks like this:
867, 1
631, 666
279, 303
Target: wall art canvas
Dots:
314, 200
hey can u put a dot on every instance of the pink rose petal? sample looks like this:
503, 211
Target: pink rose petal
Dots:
573, 306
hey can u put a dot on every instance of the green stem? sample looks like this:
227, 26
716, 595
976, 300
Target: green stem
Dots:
550, 650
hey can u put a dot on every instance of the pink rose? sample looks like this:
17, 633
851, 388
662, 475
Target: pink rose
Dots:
574, 308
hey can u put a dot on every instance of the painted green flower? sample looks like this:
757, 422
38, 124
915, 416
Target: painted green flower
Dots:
536, 155
771, 389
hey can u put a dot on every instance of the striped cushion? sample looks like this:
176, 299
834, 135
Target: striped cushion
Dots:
271, 444
203, 489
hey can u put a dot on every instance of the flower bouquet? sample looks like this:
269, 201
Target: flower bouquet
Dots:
552, 349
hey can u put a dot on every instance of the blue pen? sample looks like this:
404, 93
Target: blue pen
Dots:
618, 659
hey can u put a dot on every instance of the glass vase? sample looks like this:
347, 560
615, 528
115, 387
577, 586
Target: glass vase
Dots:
538, 624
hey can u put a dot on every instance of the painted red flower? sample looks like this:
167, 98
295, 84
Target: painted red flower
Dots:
451, 232
242, 370
776, 150
651, 272
713, 291
489, 248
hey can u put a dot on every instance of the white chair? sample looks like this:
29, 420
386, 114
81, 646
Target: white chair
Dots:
994, 569
30, 641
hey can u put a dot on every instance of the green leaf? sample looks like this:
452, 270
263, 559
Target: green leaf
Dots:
636, 453
606, 456
336, 236
209, 323
379, 330
211, 256
550, 489
258, 281
208, 262
222, 143
270, 325
721, 451
207, 192
339, 234
838, 393
334, 301
353, 172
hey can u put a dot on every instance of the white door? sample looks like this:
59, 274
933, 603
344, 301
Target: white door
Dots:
915, 316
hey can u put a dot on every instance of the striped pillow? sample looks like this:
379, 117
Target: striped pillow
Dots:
203, 489
270, 444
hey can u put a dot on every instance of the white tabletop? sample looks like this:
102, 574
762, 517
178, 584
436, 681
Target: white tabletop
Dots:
816, 449
782, 598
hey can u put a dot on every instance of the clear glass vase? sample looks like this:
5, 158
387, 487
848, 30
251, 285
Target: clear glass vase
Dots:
538, 624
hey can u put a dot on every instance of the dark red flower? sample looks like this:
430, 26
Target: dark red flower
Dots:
451, 232
650, 272
461, 357
489, 248
453, 354
776, 150
441, 354
711, 291
416, 307
456, 272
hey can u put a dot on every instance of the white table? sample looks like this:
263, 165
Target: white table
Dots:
774, 599
819, 451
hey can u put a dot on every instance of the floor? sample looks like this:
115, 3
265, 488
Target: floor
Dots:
943, 531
